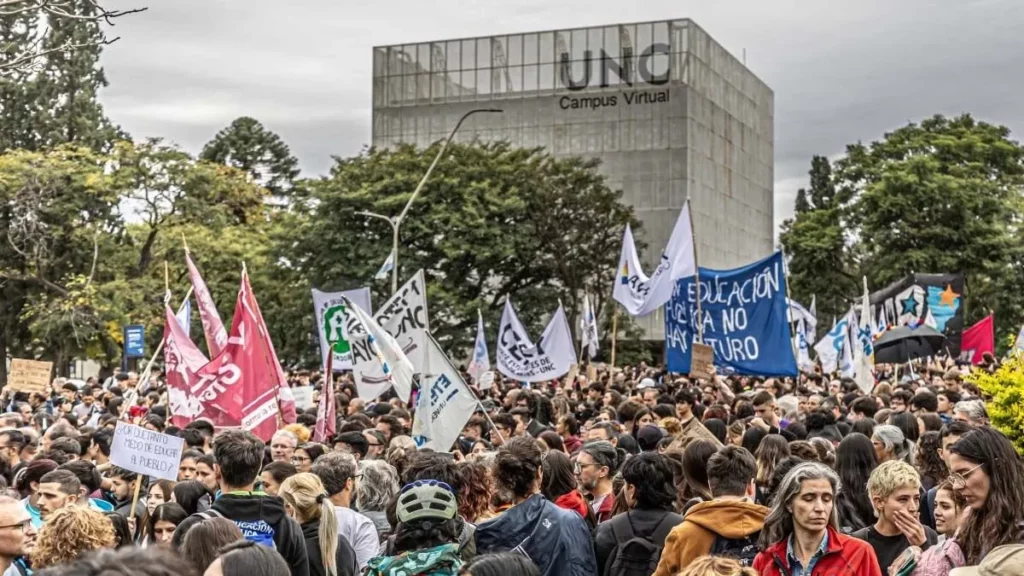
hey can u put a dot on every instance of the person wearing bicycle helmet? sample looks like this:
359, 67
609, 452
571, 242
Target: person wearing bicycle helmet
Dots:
427, 534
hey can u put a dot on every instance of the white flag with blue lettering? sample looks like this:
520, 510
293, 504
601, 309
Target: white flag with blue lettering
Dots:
445, 403
830, 347
864, 346
640, 294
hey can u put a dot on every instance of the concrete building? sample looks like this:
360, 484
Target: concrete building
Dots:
668, 111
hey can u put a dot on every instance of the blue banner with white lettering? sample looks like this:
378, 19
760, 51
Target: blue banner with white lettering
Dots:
743, 312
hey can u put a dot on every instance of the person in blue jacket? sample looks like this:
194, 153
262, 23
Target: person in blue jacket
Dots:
558, 541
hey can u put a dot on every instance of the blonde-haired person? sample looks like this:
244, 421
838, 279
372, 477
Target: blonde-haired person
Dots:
70, 532
716, 566
300, 431
895, 491
306, 501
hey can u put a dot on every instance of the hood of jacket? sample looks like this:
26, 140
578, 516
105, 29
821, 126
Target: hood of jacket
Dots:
573, 500
258, 515
728, 518
440, 561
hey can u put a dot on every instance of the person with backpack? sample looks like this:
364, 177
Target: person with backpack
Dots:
261, 518
728, 525
630, 544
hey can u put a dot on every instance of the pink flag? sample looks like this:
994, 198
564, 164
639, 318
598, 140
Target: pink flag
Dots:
182, 360
326, 418
241, 381
977, 340
286, 401
216, 336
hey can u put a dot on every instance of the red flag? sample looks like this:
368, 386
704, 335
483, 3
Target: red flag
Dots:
326, 418
240, 381
182, 360
977, 340
216, 336
285, 399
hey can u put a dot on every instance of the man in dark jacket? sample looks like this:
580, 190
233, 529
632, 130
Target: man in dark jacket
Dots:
260, 517
651, 494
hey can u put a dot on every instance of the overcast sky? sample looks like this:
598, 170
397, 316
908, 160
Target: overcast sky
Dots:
841, 71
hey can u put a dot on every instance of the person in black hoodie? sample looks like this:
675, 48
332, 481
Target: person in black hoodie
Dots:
260, 517
305, 500
651, 494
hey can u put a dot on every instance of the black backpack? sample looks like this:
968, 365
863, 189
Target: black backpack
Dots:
633, 555
743, 550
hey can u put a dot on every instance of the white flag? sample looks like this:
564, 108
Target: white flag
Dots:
588, 328
1019, 345
184, 316
846, 366
803, 317
864, 346
520, 359
445, 403
929, 320
405, 318
830, 347
386, 267
333, 324
814, 306
803, 355
394, 364
640, 294
481, 361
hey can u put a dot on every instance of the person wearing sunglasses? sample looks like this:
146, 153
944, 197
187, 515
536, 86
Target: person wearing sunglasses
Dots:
986, 470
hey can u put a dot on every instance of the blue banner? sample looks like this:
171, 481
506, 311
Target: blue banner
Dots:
134, 341
743, 312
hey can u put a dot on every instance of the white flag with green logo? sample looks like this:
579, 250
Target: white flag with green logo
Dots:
331, 322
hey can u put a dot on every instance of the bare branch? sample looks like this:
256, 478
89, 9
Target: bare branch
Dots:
95, 257
43, 281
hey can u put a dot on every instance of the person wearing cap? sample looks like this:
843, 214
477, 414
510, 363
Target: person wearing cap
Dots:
1005, 560
427, 535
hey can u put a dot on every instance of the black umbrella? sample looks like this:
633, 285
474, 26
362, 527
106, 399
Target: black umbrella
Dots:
903, 344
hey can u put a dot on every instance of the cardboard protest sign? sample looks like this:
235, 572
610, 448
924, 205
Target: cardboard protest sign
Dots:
29, 376
702, 361
145, 451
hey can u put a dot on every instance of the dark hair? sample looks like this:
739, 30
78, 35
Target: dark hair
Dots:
312, 449
166, 512
926, 401
434, 466
955, 428
280, 471
155, 421
997, 521
781, 469
194, 439
855, 461
695, 467
122, 532
68, 445
865, 426
804, 450
730, 470
761, 398
905, 395
717, 428
603, 453
684, 396
188, 495
356, 440
866, 406
516, 466
571, 425
205, 537
752, 439
247, 558
500, 564
772, 449
127, 561
15, 439
239, 455
927, 457
207, 459
932, 422
553, 440
907, 423
69, 483
32, 472
558, 478
86, 473
475, 497
118, 472
393, 424
629, 411
952, 397
102, 439
505, 421
204, 426
652, 478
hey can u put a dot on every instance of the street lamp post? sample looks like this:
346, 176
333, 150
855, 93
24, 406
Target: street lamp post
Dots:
396, 222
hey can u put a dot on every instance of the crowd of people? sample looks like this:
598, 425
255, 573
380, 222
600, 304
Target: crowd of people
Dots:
637, 472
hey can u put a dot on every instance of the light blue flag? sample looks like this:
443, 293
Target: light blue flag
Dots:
386, 268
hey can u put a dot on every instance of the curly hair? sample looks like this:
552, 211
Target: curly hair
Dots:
716, 566
475, 498
516, 466
68, 533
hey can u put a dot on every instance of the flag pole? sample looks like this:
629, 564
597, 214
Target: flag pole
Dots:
789, 306
615, 330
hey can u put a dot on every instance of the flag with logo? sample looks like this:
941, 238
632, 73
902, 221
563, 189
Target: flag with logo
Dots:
333, 324
830, 347
641, 294
213, 327
395, 366
588, 328
846, 366
977, 340
864, 346
520, 359
445, 403
481, 361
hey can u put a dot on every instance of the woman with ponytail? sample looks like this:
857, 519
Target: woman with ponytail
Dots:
306, 501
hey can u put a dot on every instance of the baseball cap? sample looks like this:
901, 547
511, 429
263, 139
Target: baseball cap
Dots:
646, 383
648, 437
1005, 560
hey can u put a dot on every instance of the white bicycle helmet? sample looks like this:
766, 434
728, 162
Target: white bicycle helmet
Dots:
426, 499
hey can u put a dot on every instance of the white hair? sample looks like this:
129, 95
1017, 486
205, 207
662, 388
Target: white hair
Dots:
894, 441
286, 434
974, 410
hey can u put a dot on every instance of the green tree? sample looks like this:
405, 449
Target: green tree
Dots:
259, 152
817, 246
492, 221
942, 196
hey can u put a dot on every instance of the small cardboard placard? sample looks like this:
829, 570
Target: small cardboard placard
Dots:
570, 378
591, 373
29, 376
486, 380
702, 362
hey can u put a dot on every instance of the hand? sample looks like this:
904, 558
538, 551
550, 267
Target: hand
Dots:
911, 528
760, 424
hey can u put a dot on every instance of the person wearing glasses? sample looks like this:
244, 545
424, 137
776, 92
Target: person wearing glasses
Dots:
305, 455
17, 537
986, 470
340, 475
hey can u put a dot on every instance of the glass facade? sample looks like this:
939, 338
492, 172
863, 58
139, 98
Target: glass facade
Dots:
668, 111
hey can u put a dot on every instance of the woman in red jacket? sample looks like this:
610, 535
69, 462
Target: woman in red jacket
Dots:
801, 536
